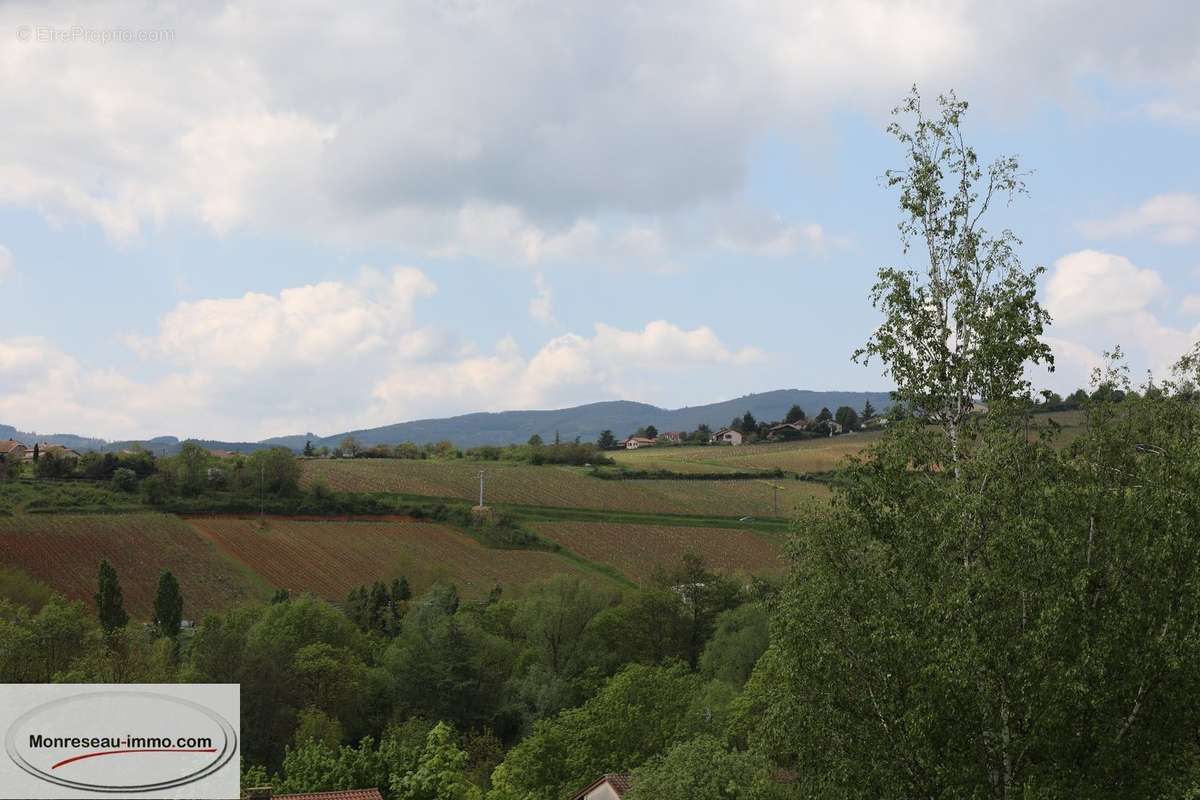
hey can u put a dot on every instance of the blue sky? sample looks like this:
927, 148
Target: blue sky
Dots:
251, 226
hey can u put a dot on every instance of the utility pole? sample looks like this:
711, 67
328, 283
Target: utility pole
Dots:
775, 498
481, 488
262, 479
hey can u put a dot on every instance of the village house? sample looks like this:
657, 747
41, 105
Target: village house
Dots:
674, 437
726, 436
634, 442
608, 787
783, 429
12, 449
57, 450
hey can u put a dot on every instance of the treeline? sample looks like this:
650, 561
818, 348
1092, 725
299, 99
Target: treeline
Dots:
535, 451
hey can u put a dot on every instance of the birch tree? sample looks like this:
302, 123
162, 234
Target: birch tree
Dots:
964, 326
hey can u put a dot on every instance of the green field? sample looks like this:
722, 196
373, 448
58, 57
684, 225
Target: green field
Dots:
561, 487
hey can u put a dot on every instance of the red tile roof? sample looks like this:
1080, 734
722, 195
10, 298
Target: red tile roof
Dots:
619, 782
345, 794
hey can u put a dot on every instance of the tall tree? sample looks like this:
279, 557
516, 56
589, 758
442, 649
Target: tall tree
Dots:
110, 602
868, 411
794, 414
847, 417
967, 325
749, 424
824, 415
607, 440
168, 605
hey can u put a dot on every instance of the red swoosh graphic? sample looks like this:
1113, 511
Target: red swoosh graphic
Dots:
118, 752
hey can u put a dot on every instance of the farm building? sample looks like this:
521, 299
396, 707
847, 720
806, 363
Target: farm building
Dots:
634, 442
674, 437
608, 787
726, 436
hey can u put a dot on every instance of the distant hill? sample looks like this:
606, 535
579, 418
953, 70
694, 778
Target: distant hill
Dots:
622, 417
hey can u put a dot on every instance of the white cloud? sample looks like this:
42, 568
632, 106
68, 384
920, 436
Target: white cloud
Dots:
1190, 304
1089, 285
1100, 300
6, 263
336, 356
417, 123
541, 306
1172, 218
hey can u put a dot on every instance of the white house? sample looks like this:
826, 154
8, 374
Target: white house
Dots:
634, 442
608, 787
726, 436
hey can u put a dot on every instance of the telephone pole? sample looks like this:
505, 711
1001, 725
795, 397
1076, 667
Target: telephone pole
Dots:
481, 488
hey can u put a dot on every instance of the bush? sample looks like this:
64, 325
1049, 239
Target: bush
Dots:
124, 479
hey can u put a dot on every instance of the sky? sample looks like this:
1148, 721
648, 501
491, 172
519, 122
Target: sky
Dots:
220, 220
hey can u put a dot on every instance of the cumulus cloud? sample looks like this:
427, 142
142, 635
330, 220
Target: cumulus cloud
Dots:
502, 127
1190, 304
1099, 300
1172, 218
335, 356
1090, 285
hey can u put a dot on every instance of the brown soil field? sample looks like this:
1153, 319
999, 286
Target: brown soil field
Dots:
636, 550
331, 558
64, 552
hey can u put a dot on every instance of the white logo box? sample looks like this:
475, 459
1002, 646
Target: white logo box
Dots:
146, 740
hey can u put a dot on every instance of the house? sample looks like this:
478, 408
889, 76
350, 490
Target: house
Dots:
634, 442
785, 429
829, 425
223, 453
608, 787
10, 448
726, 436
265, 793
57, 450
674, 437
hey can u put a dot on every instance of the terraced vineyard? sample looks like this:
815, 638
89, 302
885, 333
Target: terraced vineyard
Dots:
64, 552
329, 558
636, 550
561, 487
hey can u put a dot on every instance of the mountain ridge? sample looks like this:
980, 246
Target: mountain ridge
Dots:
503, 427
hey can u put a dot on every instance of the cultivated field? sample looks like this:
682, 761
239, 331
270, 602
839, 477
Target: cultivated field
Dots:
329, 558
561, 487
64, 552
636, 550
810, 455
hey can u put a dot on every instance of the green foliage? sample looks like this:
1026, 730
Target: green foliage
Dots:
607, 440
847, 417
110, 601
36, 646
440, 773
740, 637
704, 768
168, 605
23, 590
124, 480
794, 414
968, 325
1024, 630
636, 715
